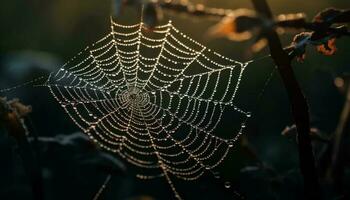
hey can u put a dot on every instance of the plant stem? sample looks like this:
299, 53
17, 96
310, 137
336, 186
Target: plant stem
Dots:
16, 128
299, 106
335, 171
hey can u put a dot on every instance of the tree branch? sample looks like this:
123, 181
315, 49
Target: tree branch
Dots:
299, 105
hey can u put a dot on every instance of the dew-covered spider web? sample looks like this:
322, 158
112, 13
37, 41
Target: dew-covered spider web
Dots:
155, 98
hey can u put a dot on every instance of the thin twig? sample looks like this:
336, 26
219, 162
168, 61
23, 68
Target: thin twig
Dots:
198, 10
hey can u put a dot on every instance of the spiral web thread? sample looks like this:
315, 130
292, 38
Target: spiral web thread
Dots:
154, 97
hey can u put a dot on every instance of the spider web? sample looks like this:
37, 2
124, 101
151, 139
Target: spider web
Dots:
154, 97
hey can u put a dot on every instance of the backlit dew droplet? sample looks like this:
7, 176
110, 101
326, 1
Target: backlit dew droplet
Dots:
227, 184
249, 114
230, 144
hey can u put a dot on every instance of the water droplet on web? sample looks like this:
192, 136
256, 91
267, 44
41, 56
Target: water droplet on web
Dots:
227, 184
249, 114
216, 175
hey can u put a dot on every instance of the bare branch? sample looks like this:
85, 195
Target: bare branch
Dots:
300, 109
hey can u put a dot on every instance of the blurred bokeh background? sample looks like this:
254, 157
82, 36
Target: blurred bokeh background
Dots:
38, 36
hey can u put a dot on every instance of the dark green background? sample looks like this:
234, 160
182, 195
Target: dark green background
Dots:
37, 36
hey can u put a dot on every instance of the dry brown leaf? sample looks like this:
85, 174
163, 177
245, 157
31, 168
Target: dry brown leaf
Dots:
299, 43
328, 48
326, 15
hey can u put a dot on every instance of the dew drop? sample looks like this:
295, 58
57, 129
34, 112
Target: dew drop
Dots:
227, 184
249, 114
230, 144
